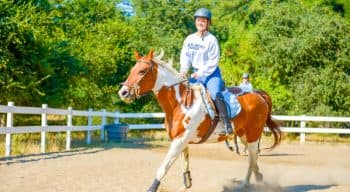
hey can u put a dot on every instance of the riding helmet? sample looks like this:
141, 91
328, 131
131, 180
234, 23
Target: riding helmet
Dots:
203, 12
245, 75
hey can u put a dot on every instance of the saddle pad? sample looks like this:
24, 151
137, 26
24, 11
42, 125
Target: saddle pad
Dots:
237, 90
232, 104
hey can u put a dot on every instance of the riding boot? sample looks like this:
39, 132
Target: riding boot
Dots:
221, 107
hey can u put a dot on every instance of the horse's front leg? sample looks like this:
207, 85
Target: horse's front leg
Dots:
176, 147
187, 173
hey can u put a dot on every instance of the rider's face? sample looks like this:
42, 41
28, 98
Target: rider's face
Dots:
202, 24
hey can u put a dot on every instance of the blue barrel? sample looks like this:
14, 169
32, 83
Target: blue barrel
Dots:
116, 132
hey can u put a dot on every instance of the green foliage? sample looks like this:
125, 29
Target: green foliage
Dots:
75, 53
329, 96
22, 69
65, 55
159, 25
162, 24
304, 48
342, 7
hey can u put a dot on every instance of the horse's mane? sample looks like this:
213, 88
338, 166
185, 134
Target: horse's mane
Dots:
167, 65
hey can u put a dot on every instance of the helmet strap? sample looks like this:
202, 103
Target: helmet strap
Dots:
202, 34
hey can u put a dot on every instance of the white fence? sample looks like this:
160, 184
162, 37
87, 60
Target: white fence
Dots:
10, 110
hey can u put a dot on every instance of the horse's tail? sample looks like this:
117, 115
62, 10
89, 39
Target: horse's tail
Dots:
271, 124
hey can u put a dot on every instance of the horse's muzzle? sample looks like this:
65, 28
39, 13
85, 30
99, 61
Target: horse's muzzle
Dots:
126, 95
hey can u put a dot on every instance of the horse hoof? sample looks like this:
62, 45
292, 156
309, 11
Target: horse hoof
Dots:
259, 177
237, 151
244, 187
187, 179
154, 186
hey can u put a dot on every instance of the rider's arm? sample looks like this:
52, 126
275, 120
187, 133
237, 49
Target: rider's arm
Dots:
212, 61
185, 58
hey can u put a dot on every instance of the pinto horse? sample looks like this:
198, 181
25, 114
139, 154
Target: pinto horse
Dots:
187, 120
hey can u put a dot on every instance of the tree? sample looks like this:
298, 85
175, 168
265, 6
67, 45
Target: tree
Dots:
23, 53
101, 40
293, 42
71, 53
77, 52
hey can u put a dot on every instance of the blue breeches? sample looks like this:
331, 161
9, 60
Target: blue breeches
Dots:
213, 83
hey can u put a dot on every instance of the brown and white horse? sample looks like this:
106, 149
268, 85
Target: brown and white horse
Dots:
188, 121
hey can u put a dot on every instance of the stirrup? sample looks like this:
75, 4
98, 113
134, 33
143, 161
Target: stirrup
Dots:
225, 132
229, 132
222, 133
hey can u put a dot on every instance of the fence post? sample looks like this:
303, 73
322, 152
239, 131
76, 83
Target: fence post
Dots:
104, 118
116, 117
302, 134
9, 123
88, 138
69, 124
43, 124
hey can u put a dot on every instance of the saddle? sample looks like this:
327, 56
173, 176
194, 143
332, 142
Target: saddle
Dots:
187, 98
232, 104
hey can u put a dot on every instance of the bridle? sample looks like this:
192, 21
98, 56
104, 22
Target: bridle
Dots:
135, 87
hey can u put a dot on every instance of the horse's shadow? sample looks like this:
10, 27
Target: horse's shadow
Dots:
271, 187
79, 149
51, 155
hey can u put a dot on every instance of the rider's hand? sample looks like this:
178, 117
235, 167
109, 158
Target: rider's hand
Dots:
194, 75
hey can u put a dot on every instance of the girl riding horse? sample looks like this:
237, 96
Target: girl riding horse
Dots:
191, 123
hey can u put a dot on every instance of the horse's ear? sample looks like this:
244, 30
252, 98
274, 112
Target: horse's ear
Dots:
137, 55
150, 54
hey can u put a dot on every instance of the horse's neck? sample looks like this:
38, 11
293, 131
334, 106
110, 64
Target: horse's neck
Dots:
169, 90
169, 98
165, 77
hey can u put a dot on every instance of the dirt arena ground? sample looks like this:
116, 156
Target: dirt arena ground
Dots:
131, 168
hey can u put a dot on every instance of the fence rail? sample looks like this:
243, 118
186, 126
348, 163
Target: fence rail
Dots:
69, 113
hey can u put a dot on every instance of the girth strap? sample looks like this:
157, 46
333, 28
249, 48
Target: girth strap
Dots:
211, 129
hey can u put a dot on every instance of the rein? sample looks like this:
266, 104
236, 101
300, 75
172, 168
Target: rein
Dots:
156, 91
136, 88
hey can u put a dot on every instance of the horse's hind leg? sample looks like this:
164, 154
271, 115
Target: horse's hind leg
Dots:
253, 164
236, 144
187, 173
245, 143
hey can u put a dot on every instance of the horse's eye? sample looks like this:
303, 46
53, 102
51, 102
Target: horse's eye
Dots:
142, 72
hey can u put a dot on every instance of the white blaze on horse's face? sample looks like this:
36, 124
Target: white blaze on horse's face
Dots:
125, 95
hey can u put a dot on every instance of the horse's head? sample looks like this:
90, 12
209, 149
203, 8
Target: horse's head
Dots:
149, 74
141, 79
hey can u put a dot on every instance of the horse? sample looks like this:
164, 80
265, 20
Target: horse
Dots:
186, 119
